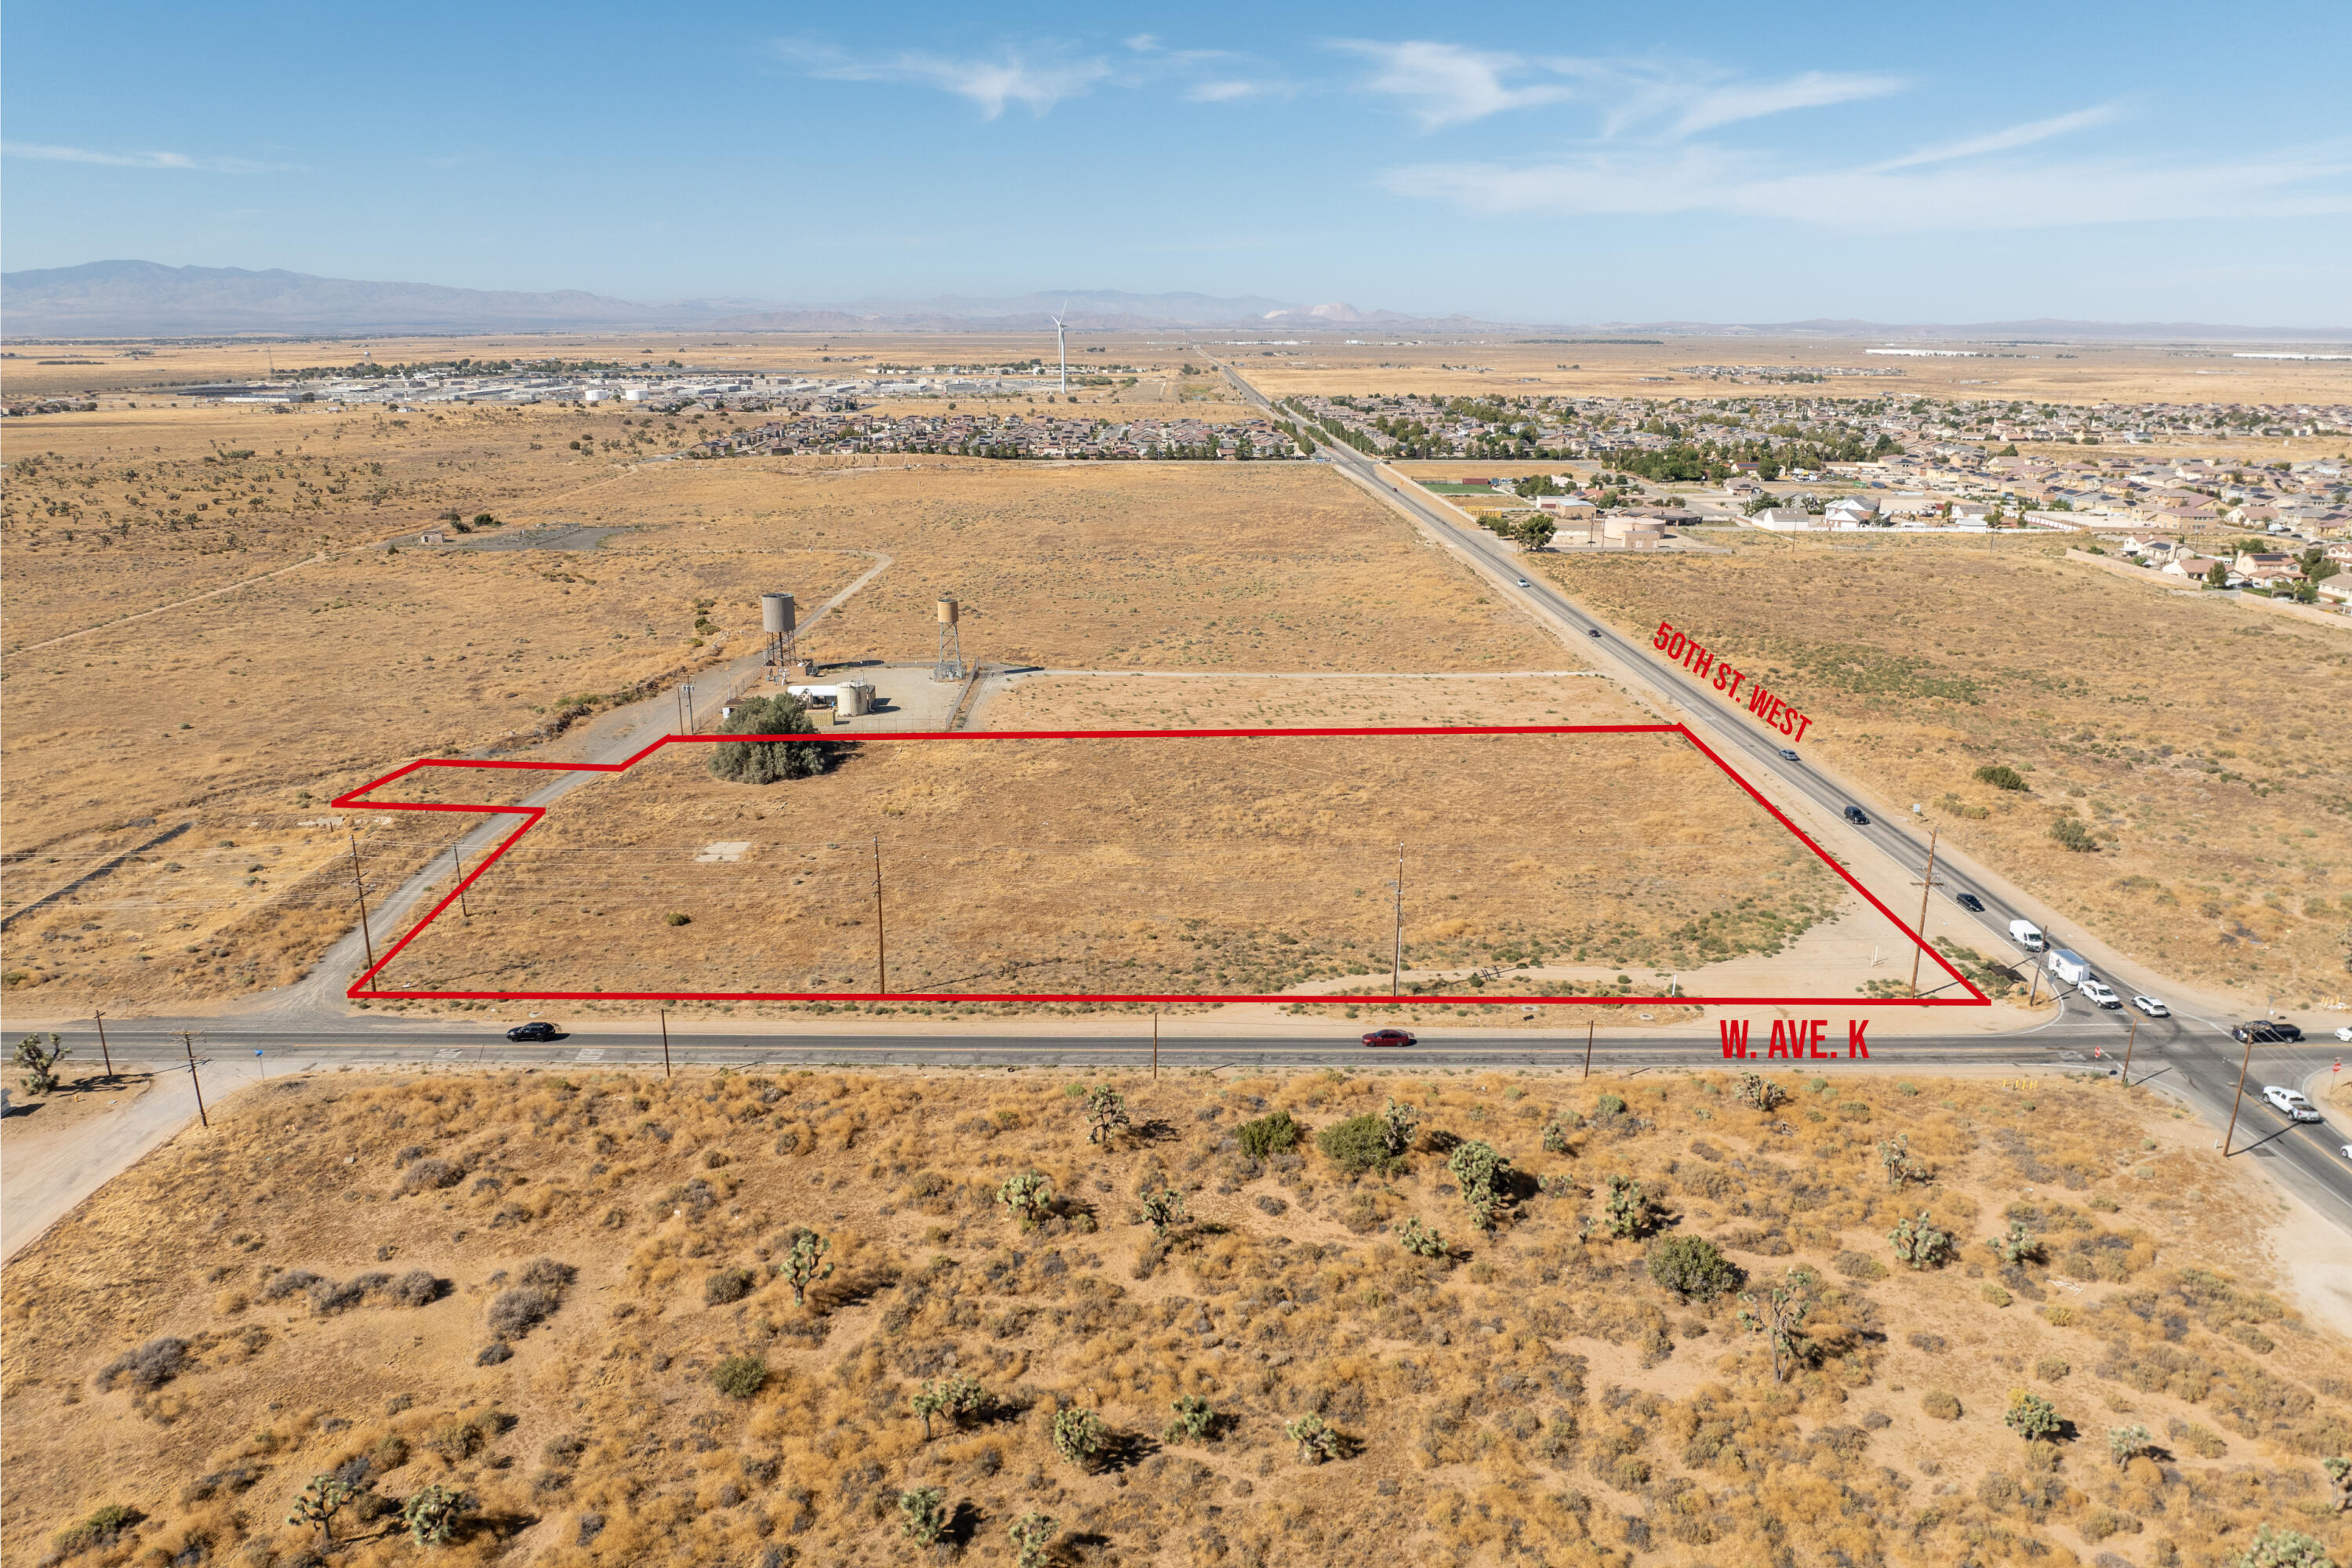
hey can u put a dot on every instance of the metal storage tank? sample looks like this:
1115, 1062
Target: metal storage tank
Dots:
855, 699
776, 615
948, 611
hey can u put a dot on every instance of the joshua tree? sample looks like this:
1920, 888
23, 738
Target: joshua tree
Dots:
1164, 1208
1895, 1159
432, 1516
1192, 1421
1078, 1435
2125, 1444
1397, 1122
1484, 1174
1316, 1438
324, 1498
40, 1065
960, 1398
1420, 1240
804, 1265
2019, 1246
2339, 1480
1555, 1135
2030, 1416
923, 1515
1758, 1092
1106, 1109
1779, 1314
2281, 1547
1033, 1536
1028, 1195
1919, 1243
1632, 1211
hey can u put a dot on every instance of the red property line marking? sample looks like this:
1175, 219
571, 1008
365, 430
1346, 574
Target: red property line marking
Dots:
355, 800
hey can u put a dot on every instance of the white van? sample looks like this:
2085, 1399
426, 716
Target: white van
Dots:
2027, 935
2069, 967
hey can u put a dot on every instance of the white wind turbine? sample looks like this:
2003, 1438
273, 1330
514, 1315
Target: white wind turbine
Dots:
1062, 342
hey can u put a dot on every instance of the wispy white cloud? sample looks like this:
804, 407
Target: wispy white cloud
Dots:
2016, 136
1037, 79
1235, 90
1445, 84
1658, 182
45, 153
1734, 102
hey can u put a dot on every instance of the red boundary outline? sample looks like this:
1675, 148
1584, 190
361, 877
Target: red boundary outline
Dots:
353, 800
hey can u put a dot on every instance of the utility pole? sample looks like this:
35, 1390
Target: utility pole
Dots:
1588, 1047
1396, 955
101, 1043
188, 1043
1155, 1045
2242, 1062
881, 957
458, 861
2128, 1052
665, 1024
1927, 885
359, 886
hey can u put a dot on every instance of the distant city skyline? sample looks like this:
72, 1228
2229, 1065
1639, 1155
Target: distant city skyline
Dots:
1691, 161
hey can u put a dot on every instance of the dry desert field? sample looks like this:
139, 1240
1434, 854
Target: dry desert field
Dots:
1259, 1321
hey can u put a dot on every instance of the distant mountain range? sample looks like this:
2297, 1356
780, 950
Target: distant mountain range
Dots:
147, 300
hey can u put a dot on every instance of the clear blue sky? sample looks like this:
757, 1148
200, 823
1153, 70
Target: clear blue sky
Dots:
1716, 161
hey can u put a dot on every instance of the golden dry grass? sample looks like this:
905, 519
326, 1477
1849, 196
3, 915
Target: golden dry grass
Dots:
1533, 1394
1184, 867
2194, 739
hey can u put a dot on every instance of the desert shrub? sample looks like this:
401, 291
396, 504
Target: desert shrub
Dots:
431, 1515
427, 1175
2050, 1369
1359, 1143
417, 1287
1079, 1437
1191, 1420
2001, 776
494, 1353
2030, 1416
520, 1308
2070, 834
740, 1376
678, 918
1940, 1405
150, 1366
1693, 1267
1998, 1295
1858, 1265
1918, 1242
327, 1296
285, 1283
1318, 1440
768, 761
1420, 1239
923, 1515
1609, 1105
101, 1529
728, 1285
1269, 1136
2201, 1441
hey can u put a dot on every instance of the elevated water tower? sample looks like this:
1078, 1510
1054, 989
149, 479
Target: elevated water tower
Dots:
780, 620
951, 660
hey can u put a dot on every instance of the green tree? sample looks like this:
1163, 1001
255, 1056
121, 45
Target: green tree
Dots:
923, 1515
1779, 1312
1192, 1421
1357, 1144
767, 762
40, 1065
804, 1265
1420, 1239
1693, 1267
1318, 1440
432, 1516
1107, 1112
1032, 1538
2030, 1416
1919, 1242
1078, 1435
1027, 1194
324, 1498
2217, 575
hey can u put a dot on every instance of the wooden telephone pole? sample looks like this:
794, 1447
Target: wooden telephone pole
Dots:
881, 957
188, 1043
1396, 955
359, 888
1927, 885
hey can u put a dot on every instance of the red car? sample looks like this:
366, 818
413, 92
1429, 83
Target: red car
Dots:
1389, 1038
